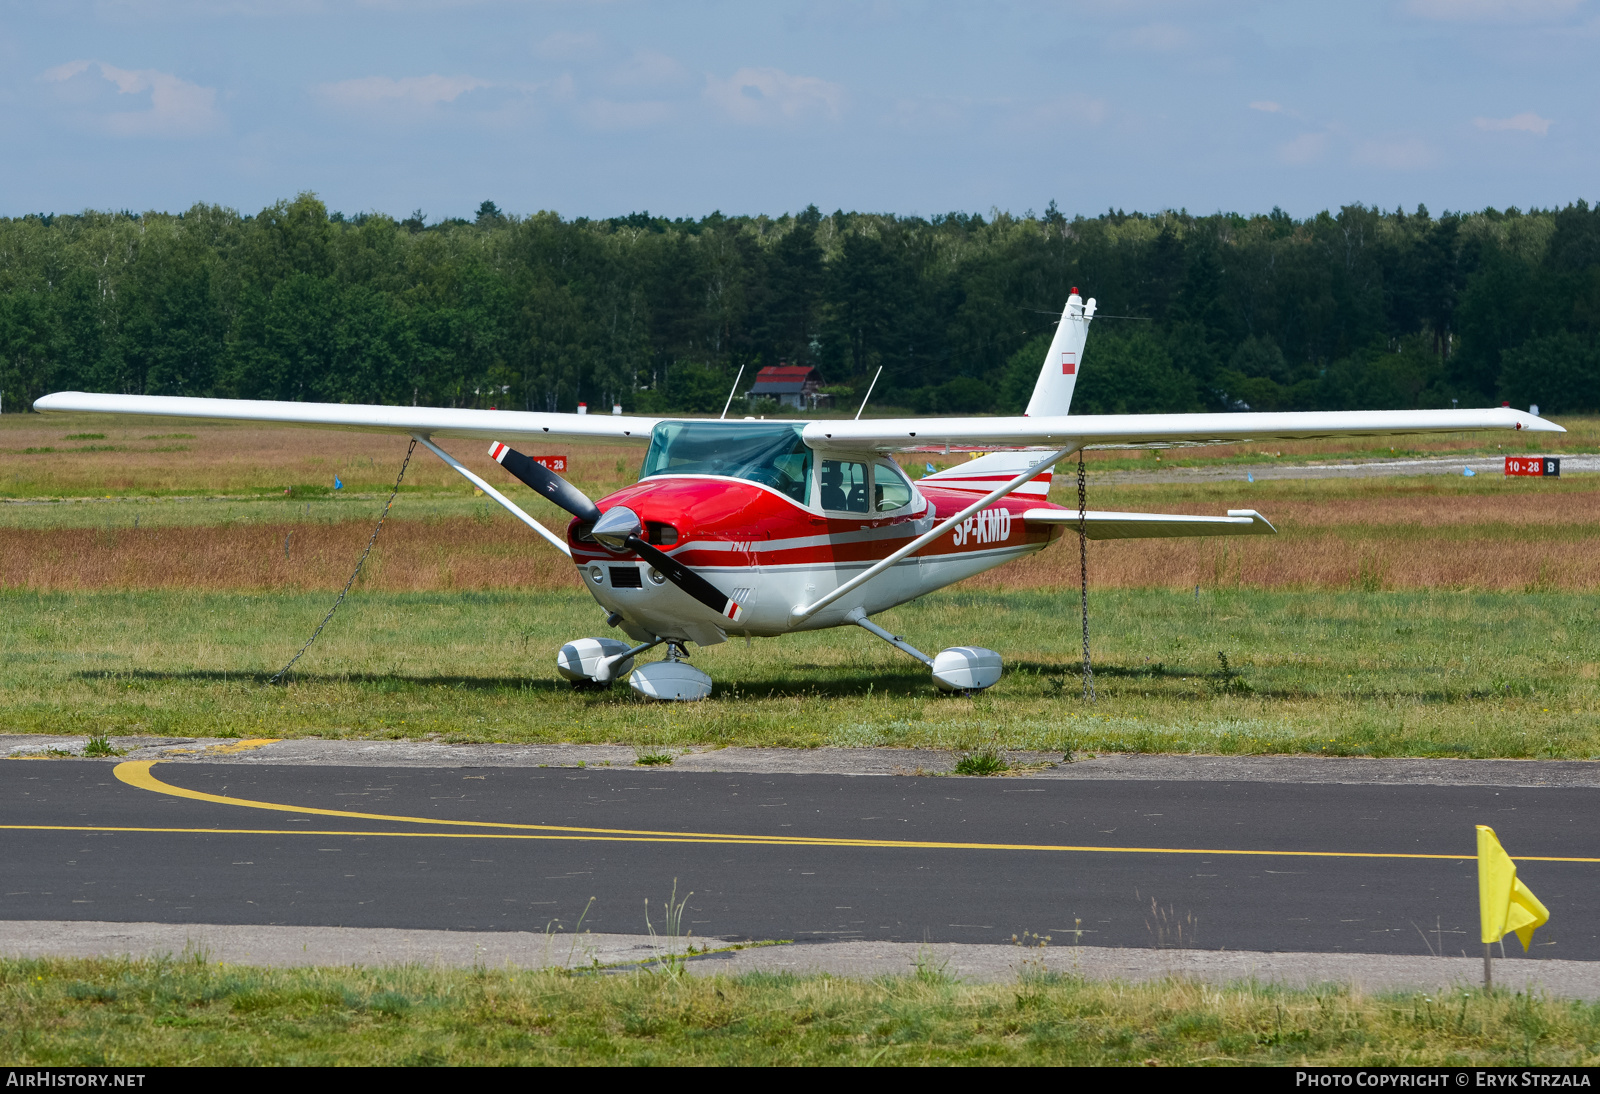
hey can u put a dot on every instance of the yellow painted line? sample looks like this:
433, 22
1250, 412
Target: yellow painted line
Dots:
249, 744
770, 841
137, 773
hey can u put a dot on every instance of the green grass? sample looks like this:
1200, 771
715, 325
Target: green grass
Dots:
1341, 673
190, 1011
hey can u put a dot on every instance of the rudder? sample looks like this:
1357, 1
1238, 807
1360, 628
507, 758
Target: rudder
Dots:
1052, 394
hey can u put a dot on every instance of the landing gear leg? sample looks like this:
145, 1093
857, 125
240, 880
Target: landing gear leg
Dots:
859, 618
961, 668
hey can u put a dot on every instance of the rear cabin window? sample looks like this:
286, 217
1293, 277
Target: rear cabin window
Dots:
770, 453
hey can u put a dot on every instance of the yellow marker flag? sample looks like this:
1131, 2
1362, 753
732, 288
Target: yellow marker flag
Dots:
1504, 903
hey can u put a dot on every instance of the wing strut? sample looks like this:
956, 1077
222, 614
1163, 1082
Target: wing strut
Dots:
800, 612
510, 505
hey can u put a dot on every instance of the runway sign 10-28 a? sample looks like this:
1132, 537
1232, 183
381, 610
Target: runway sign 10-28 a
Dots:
1544, 466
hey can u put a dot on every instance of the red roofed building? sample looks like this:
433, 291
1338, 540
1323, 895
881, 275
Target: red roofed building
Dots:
792, 386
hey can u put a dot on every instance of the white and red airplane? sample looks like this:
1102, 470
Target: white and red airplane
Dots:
764, 527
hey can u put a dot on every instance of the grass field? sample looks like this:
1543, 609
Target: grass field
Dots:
1431, 615
188, 1011
1344, 673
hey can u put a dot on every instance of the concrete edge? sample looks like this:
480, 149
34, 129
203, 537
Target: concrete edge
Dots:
824, 761
280, 946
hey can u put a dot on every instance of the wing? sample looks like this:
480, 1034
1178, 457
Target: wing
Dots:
486, 425
1102, 525
1157, 430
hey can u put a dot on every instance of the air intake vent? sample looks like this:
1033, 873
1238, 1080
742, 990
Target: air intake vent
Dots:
626, 577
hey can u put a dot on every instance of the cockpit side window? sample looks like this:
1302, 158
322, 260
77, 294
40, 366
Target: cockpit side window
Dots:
890, 487
844, 486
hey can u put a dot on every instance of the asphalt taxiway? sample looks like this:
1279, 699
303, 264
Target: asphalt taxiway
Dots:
1243, 858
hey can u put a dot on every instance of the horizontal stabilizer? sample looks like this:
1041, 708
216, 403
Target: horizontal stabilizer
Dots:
1102, 525
992, 471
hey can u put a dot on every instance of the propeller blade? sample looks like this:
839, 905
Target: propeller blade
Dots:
545, 481
619, 529
686, 579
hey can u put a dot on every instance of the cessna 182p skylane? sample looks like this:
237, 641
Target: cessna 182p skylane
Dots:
764, 527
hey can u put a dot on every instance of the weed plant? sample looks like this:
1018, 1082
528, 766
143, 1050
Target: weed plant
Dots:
986, 762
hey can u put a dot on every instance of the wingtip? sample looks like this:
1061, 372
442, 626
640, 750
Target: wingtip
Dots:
52, 401
1529, 423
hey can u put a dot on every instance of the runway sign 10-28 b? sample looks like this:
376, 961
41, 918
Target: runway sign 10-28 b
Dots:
1545, 466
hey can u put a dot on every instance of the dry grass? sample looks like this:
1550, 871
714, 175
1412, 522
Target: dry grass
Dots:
1503, 542
118, 455
1415, 540
461, 553
1427, 532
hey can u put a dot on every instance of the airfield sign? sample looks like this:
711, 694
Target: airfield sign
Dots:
1543, 466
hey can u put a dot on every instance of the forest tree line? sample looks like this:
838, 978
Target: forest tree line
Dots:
1350, 310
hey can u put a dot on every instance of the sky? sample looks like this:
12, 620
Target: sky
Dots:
605, 108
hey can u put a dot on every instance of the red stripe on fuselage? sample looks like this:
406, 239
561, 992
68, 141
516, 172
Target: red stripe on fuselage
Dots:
725, 523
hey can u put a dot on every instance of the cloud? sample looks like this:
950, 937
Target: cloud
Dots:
1526, 123
1401, 154
1306, 148
1267, 107
762, 96
1495, 11
65, 72
177, 107
416, 92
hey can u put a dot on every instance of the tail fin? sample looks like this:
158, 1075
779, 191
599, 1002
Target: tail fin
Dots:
989, 472
1052, 395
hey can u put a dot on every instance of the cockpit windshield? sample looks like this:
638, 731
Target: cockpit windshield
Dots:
770, 453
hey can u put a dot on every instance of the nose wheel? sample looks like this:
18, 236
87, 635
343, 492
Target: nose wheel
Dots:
672, 679
600, 662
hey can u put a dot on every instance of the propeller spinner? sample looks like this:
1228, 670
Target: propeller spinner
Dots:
618, 529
